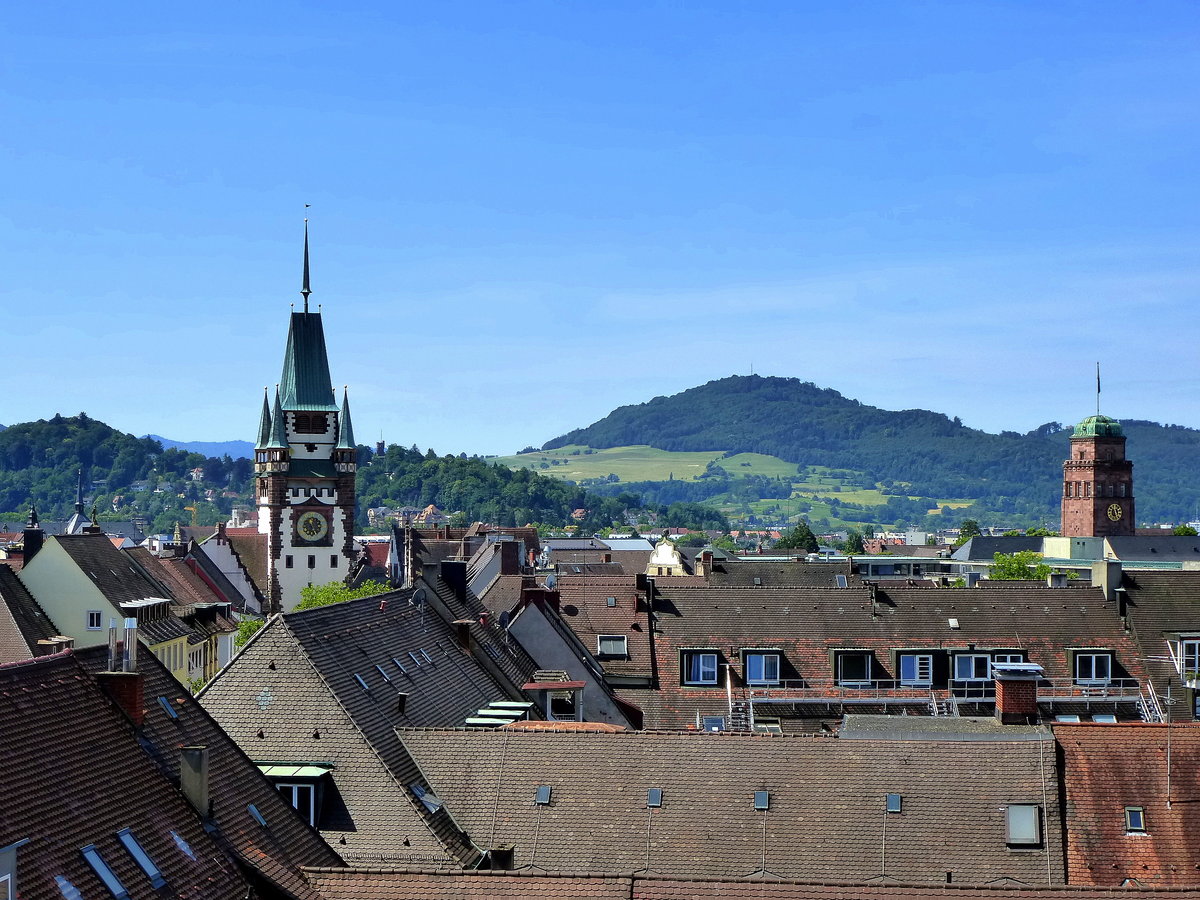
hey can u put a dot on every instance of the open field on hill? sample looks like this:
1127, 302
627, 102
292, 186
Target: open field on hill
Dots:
641, 463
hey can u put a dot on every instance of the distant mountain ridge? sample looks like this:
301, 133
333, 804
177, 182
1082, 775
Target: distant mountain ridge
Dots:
232, 449
924, 453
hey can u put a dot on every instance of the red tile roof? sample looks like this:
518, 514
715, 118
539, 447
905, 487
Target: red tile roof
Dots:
1111, 767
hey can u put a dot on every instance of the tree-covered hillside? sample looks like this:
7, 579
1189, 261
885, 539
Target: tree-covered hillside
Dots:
921, 452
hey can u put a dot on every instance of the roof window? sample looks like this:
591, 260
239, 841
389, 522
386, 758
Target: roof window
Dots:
68, 890
757, 581
427, 797
145, 863
543, 795
762, 800
954, 623
361, 683
413, 657
184, 847
654, 798
840, 580
894, 803
428, 658
384, 674
256, 815
1135, 820
168, 708
1023, 825
104, 873
611, 601
608, 645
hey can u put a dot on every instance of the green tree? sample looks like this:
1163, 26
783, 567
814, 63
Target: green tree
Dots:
854, 542
799, 538
967, 530
1184, 531
1024, 565
247, 628
315, 595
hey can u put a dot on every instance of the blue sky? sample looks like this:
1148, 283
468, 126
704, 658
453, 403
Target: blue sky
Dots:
526, 214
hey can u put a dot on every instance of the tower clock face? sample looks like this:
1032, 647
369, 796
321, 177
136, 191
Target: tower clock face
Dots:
312, 526
1115, 512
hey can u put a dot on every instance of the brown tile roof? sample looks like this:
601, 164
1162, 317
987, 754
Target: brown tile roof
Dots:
293, 695
795, 573
806, 624
251, 549
485, 885
72, 774
583, 604
276, 852
22, 621
1110, 767
1163, 604
503, 594
826, 818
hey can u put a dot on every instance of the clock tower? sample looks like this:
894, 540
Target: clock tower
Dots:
304, 465
1097, 499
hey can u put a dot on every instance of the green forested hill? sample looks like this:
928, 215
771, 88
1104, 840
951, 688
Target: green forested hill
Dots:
927, 454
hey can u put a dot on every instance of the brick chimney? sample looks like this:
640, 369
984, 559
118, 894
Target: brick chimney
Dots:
1016, 692
123, 683
462, 629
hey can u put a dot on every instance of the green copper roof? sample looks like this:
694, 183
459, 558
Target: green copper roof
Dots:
305, 383
278, 437
264, 424
346, 431
1098, 426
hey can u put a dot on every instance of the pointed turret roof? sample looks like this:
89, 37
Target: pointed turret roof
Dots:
305, 383
346, 431
264, 424
277, 439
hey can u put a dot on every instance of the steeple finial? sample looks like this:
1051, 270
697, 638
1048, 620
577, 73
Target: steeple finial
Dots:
305, 290
1097, 387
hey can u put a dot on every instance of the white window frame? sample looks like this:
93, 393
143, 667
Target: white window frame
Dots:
1092, 679
854, 682
922, 661
764, 661
1189, 655
1003, 658
703, 656
294, 787
974, 657
87, 618
1017, 832
621, 640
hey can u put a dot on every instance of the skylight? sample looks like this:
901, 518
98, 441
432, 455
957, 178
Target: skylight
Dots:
104, 873
612, 601
954, 623
184, 847
413, 656
361, 683
428, 658
167, 708
762, 800
385, 675
894, 802
130, 843
654, 797
256, 815
543, 795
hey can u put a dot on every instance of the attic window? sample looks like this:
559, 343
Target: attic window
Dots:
95, 620
611, 601
610, 645
256, 815
762, 800
104, 873
1023, 825
543, 795
840, 581
894, 803
167, 708
954, 623
145, 863
1135, 820
654, 798
757, 581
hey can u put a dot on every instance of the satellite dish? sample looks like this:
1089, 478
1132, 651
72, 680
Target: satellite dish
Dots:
551, 581
418, 599
504, 620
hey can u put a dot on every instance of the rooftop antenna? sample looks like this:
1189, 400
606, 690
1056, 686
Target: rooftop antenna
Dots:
305, 290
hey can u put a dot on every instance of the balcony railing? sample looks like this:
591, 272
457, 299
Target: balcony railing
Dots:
890, 690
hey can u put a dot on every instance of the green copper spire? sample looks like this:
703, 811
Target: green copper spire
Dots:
304, 288
278, 437
264, 424
346, 431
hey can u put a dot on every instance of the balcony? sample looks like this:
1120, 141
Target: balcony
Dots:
872, 691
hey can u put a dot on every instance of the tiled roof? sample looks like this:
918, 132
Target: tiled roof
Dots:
1110, 767
398, 884
72, 774
1162, 547
805, 624
984, 549
22, 621
305, 382
825, 820
503, 594
251, 548
279, 850
584, 608
113, 574
1162, 604
297, 684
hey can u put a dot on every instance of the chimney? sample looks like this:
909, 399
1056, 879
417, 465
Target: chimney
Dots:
454, 573
33, 538
1016, 692
462, 628
123, 682
221, 537
704, 564
510, 558
1106, 575
193, 777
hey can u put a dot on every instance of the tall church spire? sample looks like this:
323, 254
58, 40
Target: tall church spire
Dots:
79, 493
305, 290
345, 431
264, 424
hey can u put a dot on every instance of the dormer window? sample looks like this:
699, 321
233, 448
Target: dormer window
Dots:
1189, 658
609, 646
1093, 669
699, 667
761, 667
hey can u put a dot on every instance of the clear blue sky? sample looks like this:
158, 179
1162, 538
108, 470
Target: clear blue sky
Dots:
526, 214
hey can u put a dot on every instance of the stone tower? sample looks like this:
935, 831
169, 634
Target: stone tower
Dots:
304, 465
1097, 499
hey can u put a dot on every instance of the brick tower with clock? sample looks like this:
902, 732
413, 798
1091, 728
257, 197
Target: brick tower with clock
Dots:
304, 466
1097, 499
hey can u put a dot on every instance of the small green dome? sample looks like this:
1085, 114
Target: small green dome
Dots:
1098, 426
